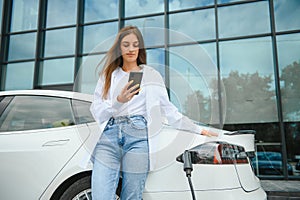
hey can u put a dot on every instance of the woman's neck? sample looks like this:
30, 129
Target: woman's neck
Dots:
127, 67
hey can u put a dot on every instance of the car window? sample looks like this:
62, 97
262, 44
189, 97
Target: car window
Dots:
82, 112
4, 101
36, 112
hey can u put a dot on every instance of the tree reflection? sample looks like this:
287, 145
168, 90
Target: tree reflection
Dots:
250, 97
202, 103
290, 92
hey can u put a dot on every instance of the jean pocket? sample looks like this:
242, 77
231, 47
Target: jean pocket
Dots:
139, 124
107, 127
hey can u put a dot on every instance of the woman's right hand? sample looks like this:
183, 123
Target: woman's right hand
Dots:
127, 94
209, 133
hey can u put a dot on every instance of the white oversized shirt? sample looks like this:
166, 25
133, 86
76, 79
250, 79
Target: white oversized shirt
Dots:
155, 105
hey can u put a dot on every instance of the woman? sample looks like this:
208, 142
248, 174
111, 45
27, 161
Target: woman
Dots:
132, 115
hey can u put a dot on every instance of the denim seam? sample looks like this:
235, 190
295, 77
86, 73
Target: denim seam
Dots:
116, 185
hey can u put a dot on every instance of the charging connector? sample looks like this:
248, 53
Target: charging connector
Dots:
187, 163
188, 168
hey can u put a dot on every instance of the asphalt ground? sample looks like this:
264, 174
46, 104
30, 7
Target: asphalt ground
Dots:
281, 189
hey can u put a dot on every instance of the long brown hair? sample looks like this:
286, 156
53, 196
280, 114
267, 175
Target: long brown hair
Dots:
113, 58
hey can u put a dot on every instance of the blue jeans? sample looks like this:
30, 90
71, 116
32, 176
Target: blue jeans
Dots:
123, 151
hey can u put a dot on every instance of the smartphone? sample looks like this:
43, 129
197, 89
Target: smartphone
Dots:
137, 79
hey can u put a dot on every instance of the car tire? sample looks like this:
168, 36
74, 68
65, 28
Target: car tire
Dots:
81, 189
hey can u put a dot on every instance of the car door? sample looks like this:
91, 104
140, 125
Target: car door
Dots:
37, 138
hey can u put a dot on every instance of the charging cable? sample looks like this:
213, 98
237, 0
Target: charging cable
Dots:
188, 168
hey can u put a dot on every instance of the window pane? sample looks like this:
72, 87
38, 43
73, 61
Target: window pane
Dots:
88, 74
58, 71
152, 29
24, 15
99, 36
193, 78
19, 76
245, 19
177, 5
287, 14
34, 112
292, 131
60, 42
229, 1
289, 64
156, 59
247, 72
289, 70
210, 49
1, 7
22, 46
268, 160
248, 77
96, 10
142, 7
200, 26
61, 12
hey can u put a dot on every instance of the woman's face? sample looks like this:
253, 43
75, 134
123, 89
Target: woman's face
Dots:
130, 48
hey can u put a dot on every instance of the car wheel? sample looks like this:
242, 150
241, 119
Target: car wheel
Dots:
81, 190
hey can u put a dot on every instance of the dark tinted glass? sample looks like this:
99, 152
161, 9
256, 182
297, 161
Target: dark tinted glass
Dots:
292, 131
82, 112
36, 112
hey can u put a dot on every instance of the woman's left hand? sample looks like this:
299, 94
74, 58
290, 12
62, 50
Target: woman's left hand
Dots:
209, 133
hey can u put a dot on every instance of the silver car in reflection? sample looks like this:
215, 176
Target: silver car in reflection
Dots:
43, 138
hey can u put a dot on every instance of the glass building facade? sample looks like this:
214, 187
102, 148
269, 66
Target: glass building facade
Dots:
234, 64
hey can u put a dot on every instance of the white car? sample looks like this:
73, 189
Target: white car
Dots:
42, 143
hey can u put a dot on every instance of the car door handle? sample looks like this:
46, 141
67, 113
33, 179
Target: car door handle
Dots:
56, 143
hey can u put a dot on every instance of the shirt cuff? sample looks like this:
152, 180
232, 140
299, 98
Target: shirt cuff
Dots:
199, 129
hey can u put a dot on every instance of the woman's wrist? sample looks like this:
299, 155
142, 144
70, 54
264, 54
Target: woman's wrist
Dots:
118, 99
